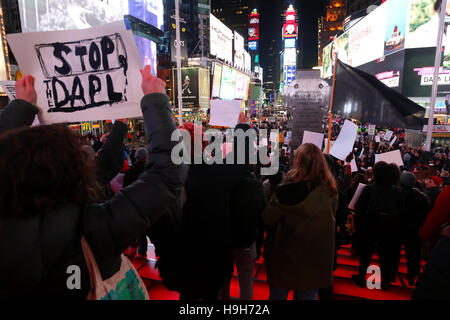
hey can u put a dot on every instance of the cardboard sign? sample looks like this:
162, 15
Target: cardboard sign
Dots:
345, 141
9, 87
313, 137
224, 113
390, 157
82, 75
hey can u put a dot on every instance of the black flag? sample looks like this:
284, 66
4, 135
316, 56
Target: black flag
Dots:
359, 95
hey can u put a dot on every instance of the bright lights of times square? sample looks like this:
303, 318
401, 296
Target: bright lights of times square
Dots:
228, 157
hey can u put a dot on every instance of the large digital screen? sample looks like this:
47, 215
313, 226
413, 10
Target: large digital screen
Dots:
253, 45
228, 83
204, 88
239, 50
52, 15
393, 26
247, 61
217, 78
290, 57
289, 43
3, 69
221, 40
289, 74
253, 30
242, 82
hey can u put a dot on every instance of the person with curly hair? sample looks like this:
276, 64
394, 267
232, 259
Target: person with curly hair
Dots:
49, 193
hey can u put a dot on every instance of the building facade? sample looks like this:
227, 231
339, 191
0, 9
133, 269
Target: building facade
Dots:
331, 24
353, 6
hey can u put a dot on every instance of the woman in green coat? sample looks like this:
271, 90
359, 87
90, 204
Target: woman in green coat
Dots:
299, 251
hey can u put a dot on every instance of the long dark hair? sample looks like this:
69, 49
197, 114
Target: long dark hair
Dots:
42, 169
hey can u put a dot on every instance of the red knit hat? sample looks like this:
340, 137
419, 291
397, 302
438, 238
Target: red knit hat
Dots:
437, 180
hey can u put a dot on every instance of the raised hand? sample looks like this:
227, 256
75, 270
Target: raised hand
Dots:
25, 89
151, 84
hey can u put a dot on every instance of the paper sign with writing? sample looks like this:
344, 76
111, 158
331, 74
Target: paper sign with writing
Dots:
345, 141
377, 139
390, 157
82, 75
354, 166
313, 137
371, 130
388, 135
224, 113
9, 88
393, 141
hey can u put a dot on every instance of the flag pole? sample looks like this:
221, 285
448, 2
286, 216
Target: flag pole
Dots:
437, 66
178, 53
330, 123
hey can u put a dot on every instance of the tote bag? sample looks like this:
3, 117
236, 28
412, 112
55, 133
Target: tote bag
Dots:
126, 284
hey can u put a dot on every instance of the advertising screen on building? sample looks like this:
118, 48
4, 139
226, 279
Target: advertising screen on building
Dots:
289, 43
289, 74
247, 61
290, 57
221, 40
53, 15
242, 83
190, 86
204, 88
253, 30
3, 68
253, 45
290, 30
239, 59
217, 79
228, 83
395, 25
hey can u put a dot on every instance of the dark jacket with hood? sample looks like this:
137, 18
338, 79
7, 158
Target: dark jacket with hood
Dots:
36, 251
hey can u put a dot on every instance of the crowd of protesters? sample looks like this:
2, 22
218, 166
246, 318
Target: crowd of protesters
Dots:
58, 188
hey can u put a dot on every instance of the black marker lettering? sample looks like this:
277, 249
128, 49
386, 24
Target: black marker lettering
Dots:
92, 89
59, 104
59, 48
94, 56
113, 96
81, 51
77, 85
123, 64
107, 48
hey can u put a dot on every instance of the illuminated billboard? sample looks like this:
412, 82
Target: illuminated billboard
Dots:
290, 57
228, 83
239, 59
253, 30
53, 15
253, 45
221, 40
290, 26
217, 79
3, 67
289, 74
289, 43
242, 84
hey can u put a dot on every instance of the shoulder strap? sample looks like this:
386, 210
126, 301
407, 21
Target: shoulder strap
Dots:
94, 271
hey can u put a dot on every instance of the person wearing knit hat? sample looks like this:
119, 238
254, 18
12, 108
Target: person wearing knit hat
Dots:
408, 179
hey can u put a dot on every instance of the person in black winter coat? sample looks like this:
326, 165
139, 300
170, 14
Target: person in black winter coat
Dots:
416, 210
377, 222
247, 204
434, 282
48, 198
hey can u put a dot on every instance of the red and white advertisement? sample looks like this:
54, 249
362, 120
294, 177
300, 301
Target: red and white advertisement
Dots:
253, 30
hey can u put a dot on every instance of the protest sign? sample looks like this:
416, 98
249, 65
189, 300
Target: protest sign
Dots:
371, 130
393, 141
313, 137
82, 75
355, 198
224, 113
388, 135
390, 157
9, 88
377, 139
413, 138
345, 141
354, 166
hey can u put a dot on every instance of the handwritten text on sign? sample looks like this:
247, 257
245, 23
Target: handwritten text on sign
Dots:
79, 75
82, 75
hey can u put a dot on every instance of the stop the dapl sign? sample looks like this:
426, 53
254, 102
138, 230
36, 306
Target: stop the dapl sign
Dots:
82, 75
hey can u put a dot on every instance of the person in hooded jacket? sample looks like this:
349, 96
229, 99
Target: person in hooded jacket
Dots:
50, 192
299, 250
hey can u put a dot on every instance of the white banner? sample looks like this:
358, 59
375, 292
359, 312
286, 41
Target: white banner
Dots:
82, 75
221, 40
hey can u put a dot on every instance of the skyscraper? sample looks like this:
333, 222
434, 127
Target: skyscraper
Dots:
353, 6
331, 24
